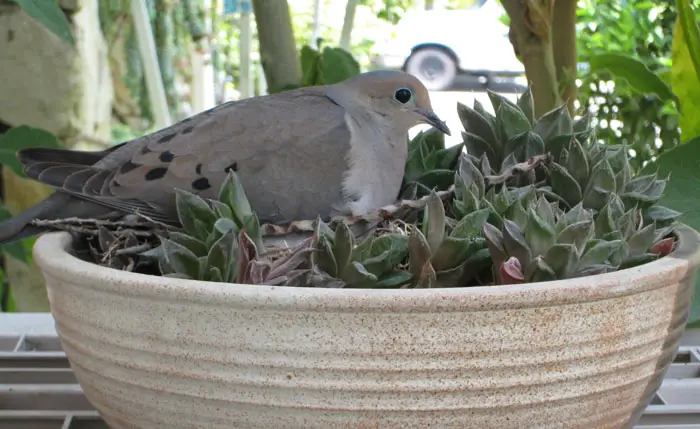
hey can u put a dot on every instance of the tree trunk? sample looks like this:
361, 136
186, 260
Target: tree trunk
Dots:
565, 54
531, 35
278, 52
348, 23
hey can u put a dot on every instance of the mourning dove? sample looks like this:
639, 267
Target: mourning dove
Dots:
299, 154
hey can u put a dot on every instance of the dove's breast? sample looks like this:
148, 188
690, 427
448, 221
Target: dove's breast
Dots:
377, 159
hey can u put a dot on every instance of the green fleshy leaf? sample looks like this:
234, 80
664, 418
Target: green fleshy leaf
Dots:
434, 222
419, 260
510, 120
233, 195
660, 213
563, 260
556, 145
637, 260
556, 122
181, 259
477, 146
192, 244
323, 256
471, 176
215, 275
600, 253
577, 163
453, 251
221, 209
221, 255
223, 225
527, 105
476, 123
342, 248
191, 210
251, 225
641, 240
565, 185
515, 243
540, 271
539, 235
518, 214
393, 279
356, 275
600, 185
544, 209
471, 225
577, 234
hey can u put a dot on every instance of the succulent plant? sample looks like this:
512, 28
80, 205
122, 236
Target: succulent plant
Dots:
339, 261
615, 213
221, 242
429, 165
445, 253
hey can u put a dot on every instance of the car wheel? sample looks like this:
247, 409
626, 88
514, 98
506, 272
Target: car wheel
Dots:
434, 67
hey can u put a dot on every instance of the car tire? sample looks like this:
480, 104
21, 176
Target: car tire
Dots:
434, 67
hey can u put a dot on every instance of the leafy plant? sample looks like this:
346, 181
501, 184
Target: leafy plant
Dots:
430, 165
325, 66
49, 13
624, 51
221, 241
14, 139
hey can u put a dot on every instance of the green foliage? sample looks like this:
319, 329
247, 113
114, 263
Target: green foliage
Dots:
635, 72
14, 139
49, 13
687, 18
221, 241
685, 73
596, 203
22, 137
430, 165
339, 261
326, 66
7, 302
681, 194
642, 30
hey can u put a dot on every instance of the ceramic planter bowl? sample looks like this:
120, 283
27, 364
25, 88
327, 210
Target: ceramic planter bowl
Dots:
152, 352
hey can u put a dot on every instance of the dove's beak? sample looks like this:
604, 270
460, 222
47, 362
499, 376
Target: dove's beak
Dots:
431, 118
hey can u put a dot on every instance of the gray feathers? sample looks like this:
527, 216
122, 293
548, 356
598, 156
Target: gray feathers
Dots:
293, 152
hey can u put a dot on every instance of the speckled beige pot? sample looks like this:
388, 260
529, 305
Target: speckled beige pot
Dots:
153, 352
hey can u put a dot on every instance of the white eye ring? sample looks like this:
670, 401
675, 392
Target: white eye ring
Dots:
403, 95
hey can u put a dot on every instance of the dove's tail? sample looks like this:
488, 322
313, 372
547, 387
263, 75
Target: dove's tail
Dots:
59, 205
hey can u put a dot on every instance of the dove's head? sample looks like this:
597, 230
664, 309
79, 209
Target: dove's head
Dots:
397, 96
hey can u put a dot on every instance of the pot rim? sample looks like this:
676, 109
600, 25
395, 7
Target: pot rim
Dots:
51, 254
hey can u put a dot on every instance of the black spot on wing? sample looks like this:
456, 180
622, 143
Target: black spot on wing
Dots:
166, 138
145, 150
187, 130
233, 167
166, 156
128, 166
201, 184
198, 168
156, 173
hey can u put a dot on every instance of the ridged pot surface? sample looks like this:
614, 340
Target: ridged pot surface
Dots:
155, 352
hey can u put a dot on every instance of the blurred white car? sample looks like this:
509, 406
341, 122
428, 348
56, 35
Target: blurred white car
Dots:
436, 45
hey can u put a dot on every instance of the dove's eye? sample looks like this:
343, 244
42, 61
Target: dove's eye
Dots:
403, 95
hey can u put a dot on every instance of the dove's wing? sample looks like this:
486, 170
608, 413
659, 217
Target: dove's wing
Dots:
289, 150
